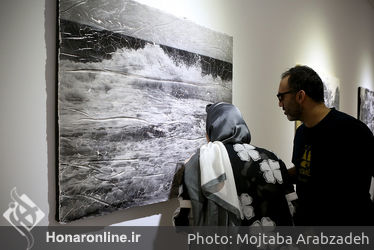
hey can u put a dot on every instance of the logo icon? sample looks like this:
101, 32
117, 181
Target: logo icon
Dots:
24, 215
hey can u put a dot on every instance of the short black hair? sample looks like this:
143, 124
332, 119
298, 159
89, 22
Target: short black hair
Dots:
302, 77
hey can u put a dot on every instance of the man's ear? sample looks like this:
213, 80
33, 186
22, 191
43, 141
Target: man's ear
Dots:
300, 96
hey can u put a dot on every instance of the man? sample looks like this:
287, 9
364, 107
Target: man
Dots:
332, 154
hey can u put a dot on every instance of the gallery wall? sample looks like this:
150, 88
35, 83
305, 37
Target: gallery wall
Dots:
334, 36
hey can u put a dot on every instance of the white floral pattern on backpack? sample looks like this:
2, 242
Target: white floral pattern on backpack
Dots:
245, 204
272, 173
265, 222
246, 152
270, 168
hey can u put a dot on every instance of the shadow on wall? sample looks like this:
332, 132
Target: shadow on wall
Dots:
166, 209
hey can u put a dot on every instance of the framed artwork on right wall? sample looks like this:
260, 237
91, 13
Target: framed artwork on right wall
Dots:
365, 111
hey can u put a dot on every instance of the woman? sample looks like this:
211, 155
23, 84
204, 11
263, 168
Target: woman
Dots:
230, 182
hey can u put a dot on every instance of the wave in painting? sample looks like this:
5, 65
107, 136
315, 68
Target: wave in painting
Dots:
128, 121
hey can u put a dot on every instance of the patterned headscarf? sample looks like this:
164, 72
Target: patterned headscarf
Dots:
225, 123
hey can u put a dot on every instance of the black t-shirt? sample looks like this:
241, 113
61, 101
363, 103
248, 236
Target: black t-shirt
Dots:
334, 163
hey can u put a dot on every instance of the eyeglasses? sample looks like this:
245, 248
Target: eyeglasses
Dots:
280, 95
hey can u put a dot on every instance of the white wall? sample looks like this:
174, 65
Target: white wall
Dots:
335, 36
23, 134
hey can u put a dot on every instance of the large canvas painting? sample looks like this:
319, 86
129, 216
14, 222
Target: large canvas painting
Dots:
133, 83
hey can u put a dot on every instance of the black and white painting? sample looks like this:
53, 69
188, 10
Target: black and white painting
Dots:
365, 113
133, 83
331, 89
366, 107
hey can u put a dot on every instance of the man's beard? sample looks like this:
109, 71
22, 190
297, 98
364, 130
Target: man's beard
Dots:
294, 114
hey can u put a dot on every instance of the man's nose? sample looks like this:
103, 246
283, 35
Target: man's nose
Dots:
280, 103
